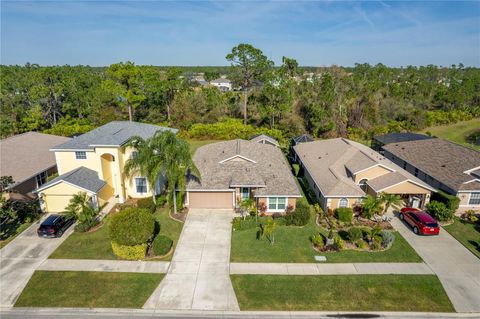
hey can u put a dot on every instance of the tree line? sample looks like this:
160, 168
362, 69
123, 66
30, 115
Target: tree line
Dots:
333, 101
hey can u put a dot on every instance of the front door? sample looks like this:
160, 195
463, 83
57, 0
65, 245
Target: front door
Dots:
245, 193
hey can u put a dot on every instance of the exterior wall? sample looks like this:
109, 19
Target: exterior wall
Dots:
66, 162
464, 200
333, 202
105, 194
263, 200
406, 188
371, 173
57, 197
30, 185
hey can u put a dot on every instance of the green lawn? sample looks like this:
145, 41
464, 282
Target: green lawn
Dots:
341, 293
194, 144
88, 289
457, 132
13, 232
467, 234
292, 244
96, 245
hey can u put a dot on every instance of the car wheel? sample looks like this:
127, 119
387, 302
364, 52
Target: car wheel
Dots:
415, 230
59, 233
401, 216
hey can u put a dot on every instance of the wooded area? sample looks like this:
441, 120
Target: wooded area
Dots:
334, 101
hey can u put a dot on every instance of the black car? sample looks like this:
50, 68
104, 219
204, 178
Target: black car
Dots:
54, 226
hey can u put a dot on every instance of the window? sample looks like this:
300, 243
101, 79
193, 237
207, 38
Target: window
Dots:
416, 172
277, 203
41, 178
134, 154
404, 165
141, 185
343, 203
474, 199
363, 184
245, 192
81, 155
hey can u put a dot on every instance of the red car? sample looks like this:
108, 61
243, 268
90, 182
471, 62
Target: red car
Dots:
422, 223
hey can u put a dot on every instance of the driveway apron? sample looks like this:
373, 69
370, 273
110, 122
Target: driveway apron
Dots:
456, 267
20, 258
198, 277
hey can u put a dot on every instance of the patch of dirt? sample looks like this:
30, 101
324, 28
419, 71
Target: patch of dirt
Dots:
181, 215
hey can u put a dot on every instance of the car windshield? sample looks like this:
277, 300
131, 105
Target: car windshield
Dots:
431, 224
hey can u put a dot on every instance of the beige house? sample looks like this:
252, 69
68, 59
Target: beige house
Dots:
235, 170
447, 166
94, 163
342, 172
27, 158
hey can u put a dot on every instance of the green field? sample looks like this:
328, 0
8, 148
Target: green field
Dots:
88, 289
96, 245
466, 233
457, 132
292, 244
341, 293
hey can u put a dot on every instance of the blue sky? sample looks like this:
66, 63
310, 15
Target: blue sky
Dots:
202, 32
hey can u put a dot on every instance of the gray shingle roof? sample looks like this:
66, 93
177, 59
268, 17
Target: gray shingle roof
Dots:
443, 160
240, 162
400, 137
115, 133
26, 155
82, 177
331, 162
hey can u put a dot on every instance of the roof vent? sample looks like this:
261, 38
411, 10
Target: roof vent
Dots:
443, 165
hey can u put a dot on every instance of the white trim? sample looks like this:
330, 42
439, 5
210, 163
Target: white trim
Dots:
378, 164
209, 190
277, 209
72, 150
338, 205
468, 171
71, 184
268, 196
237, 156
469, 191
472, 180
146, 185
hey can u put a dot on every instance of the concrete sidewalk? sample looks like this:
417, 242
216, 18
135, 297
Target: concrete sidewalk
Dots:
330, 269
104, 265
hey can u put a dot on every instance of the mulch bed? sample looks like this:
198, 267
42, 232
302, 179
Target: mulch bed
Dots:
181, 216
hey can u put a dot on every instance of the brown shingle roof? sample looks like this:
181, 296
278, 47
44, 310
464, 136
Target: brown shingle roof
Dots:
331, 163
240, 162
443, 160
26, 155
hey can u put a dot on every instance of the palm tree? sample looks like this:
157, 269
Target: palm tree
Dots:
390, 200
80, 208
371, 206
164, 154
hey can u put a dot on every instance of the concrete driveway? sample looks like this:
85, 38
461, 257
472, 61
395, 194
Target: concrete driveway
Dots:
20, 258
198, 277
456, 267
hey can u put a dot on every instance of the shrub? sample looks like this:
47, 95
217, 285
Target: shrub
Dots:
317, 241
134, 252
450, 201
387, 239
344, 214
86, 226
470, 216
243, 224
146, 203
439, 211
361, 244
301, 215
355, 234
277, 215
161, 200
161, 245
338, 242
296, 169
132, 226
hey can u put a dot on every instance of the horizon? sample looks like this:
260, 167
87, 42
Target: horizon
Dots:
201, 34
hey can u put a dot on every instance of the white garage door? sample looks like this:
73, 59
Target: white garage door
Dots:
210, 200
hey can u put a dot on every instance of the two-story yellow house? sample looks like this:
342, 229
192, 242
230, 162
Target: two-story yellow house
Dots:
94, 163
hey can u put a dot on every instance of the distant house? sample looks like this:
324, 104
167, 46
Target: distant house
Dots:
342, 172
378, 141
26, 157
450, 167
264, 139
94, 163
238, 169
223, 84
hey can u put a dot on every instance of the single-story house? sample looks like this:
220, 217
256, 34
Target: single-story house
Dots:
238, 169
447, 166
342, 172
27, 158
378, 141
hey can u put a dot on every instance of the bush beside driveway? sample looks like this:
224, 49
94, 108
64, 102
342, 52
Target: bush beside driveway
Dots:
341, 293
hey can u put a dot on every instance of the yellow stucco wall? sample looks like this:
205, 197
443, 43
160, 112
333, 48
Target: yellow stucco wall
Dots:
333, 202
57, 197
371, 173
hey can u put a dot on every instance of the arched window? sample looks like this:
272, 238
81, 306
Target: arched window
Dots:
343, 203
363, 184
